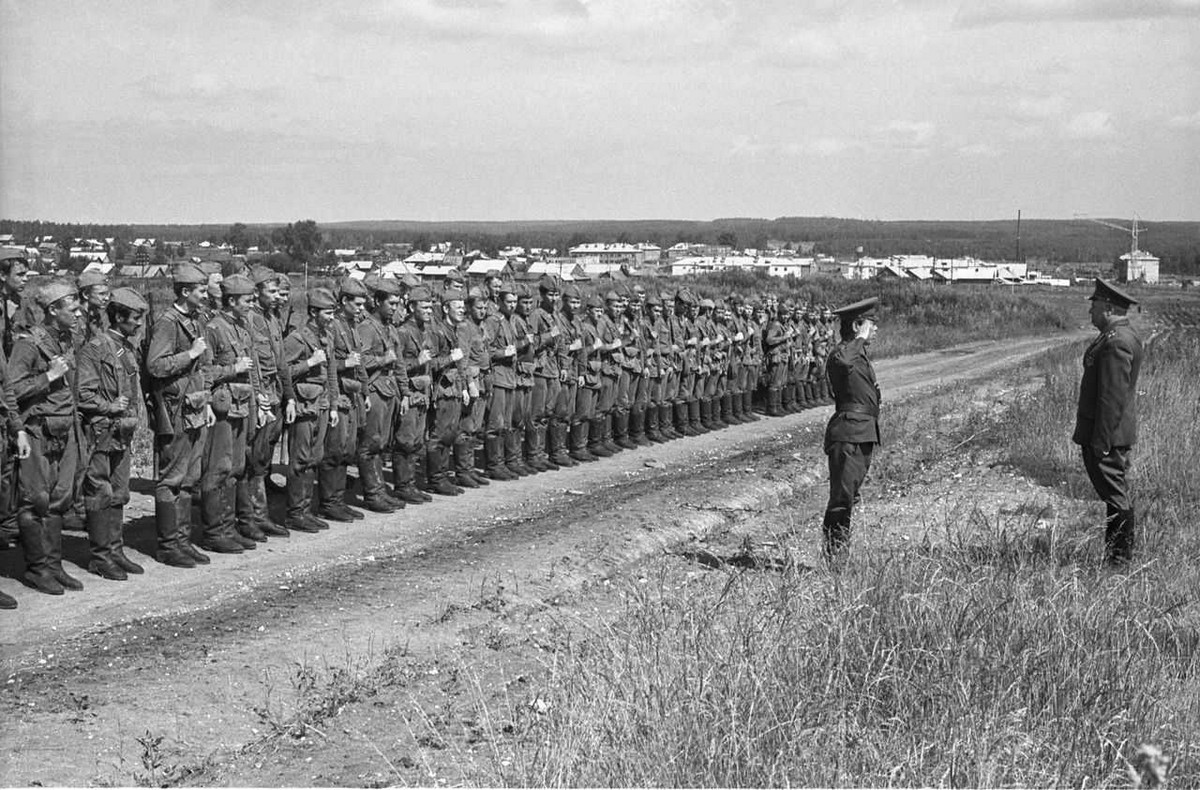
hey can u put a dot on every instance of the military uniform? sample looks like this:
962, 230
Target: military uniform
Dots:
341, 440
180, 394
853, 431
48, 476
234, 403
571, 360
515, 444
409, 447
449, 384
547, 339
109, 371
316, 389
384, 391
474, 343
1106, 417
502, 332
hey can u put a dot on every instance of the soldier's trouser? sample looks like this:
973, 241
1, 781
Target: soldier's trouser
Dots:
585, 403
408, 446
521, 401
224, 465
542, 402
670, 387
8, 488
606, 397
622, 396
1107, 474
47, 491
340, 445
180, 458
443, 432
105, 489
306, 446
849, 463
374, 438
640, 388
261, 447
501, 403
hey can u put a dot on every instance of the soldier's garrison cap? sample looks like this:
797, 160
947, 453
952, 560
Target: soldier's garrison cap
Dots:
456, 275
476, 294
263, 274
352, 288
1107, 292
865, 308
653, 298
410, 281
685, 296
54, 291
129, 299
88, 279
210, 267
382, 285
189, 274
595, 301
508, 287
612, 296
9, 253
571, 291
321, 299
420, 294
708, 303
237, 285
452, 294
549, 282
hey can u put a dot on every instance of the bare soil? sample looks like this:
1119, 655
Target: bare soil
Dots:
356, 656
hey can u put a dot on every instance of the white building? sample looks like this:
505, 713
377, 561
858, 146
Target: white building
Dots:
1138, 267
611, 254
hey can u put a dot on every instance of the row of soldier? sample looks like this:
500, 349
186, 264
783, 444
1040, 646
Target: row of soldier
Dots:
457, 388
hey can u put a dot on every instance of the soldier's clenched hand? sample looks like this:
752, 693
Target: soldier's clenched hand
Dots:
353, 359
242, 365
121, 404
58, 368
24, 448
199, 346
317, 358
456, 354
424, 356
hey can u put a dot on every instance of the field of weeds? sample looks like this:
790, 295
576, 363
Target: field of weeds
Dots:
1006, 657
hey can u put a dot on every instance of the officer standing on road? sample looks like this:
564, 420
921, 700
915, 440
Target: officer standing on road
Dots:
853, 430
1106, 420
111, 407
43, 382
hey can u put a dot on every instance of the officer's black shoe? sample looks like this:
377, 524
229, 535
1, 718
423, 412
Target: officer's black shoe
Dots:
445, 488
124, 563
7, 601
378, 506
200, 557
68, 581
43, 583
301, 525
107, 569
273, 530
410, 495
478, 477
465, 481
252, 532
335, 513
221, 545
501, 473
176, 558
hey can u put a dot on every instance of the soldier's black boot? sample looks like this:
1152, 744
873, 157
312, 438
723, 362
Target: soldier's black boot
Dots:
534, 450
259, 507
370, 470
514, 447
715, 418
54, 528
696, 416
683, 425
595, 441
542, 441
243, 513
35, 544
183, 517
464, 463
495, 453
748, 413
168, 551
579, 442
7, 601
100, 537
437, 466
213, 535
666, 422
653, 433
118, 545
773, 403
639, 426
1119, 534
836, 529
558, 444
620, 428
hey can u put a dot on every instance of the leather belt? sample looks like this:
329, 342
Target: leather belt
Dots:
858, 408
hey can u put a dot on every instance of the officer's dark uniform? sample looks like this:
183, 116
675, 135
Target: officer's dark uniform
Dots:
409, 446
110, 369
449, 384
376, 339
543, 324
502, 333
48, 476
853, 430
1106, 419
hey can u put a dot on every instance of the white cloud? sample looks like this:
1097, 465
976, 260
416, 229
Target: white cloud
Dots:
1091, 125
983, 150
911, 133
986, 13
1186, 122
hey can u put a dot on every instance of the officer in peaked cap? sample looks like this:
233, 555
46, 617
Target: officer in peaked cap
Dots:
853, 431
1106, 418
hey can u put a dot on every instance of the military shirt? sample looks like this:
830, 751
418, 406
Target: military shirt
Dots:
37, 397
316, 388
856, 395
109, 367
1106, 416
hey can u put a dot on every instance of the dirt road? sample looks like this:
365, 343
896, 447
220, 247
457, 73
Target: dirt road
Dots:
190, 675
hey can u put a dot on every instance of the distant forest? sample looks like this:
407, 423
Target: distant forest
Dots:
1042, 241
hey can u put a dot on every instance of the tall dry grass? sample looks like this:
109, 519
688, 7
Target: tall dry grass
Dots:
996, 659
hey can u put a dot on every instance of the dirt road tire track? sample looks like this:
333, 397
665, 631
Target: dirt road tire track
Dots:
193, 655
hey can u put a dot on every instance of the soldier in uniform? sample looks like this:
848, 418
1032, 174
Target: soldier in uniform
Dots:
605, 347
14, 441
176, 357
775, 339
415, 355
43, 382
636, 335
569, 376
500, 328
630, 369
547, 336
111, 408
94, 295
1106, 418
584, 345
853, 431
341, 438
656, 337
14, 271
276, 404
308, 350
386, 387
235, 380
475, 344
516, 447
712, 358
447, 366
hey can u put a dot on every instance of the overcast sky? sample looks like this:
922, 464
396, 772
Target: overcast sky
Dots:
277, 110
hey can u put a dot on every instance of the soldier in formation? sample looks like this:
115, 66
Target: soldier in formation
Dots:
454, 388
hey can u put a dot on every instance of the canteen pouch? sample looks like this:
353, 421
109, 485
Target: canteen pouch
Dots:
309, 398
193, 409
56, 431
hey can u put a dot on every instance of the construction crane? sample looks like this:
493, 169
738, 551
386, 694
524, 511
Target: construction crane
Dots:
1133, 232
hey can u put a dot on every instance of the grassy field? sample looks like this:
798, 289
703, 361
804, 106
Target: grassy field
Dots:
995, 659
